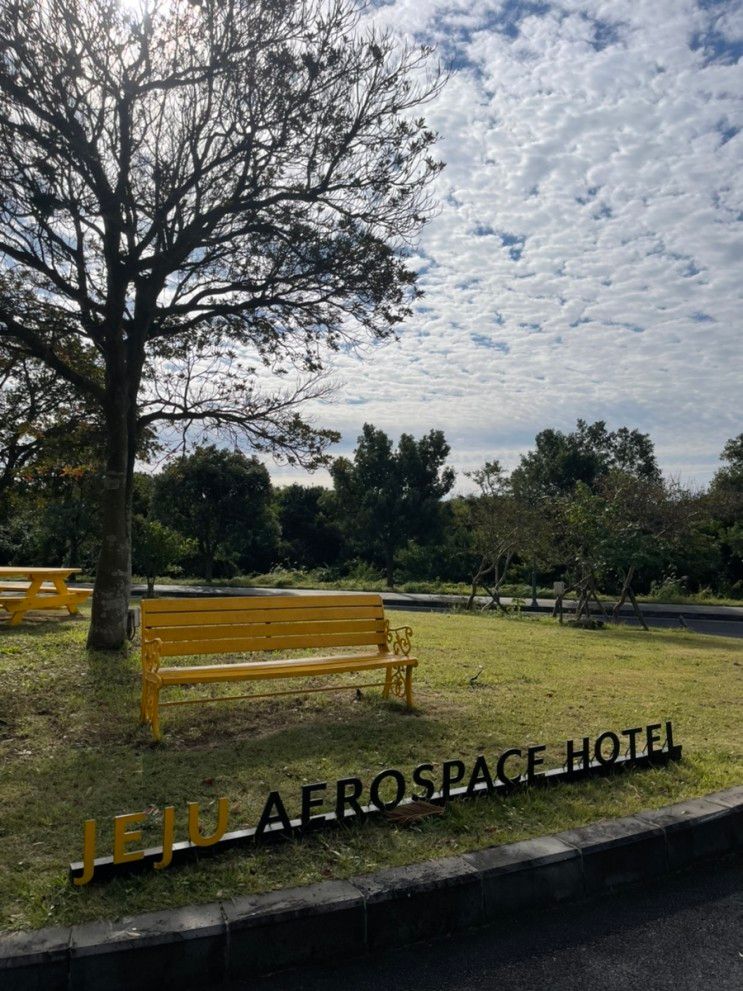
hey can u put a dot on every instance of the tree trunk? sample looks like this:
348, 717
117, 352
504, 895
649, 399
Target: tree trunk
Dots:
477, 578
471, 599
389, 567
638, 611
114, 570
623, 594
595, 596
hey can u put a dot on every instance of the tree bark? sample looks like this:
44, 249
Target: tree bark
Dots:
114, 569
638, 611
389, 567
476, 580
208, 565
623, 594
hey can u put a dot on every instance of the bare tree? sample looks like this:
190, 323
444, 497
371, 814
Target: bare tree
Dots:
645, 521
501, 527
628, 525
193, 184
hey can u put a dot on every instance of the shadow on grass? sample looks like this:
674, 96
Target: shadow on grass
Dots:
93, 779
685, 638
252, 731
37, 624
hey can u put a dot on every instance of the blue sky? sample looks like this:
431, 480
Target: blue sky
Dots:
587, 257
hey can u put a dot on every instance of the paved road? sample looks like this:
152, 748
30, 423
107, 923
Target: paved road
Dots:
684, 934
725, 621
714, 627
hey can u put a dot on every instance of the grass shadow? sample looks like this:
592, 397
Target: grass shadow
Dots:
686, 638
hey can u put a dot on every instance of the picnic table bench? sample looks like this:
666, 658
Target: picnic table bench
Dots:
267, 625
38, 588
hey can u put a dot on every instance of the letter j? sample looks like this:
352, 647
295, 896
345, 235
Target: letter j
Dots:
88, 854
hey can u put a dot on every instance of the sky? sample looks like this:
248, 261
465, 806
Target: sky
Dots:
586, 259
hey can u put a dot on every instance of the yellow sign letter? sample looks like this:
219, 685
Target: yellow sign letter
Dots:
168, 826
88, 854
194, 833
122, 837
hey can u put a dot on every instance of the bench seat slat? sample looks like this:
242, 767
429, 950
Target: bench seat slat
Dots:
271, 631
304, 667
47, 598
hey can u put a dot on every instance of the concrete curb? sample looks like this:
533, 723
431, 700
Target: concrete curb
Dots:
234, 940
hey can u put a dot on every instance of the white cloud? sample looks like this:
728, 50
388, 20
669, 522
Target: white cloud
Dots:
586, 261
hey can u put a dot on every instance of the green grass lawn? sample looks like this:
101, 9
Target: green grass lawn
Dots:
71, 748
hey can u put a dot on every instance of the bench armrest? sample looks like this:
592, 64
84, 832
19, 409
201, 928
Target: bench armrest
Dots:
398, 637
151, 655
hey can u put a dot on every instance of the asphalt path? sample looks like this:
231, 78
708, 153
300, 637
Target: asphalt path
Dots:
724, 621
714, 627
684, 933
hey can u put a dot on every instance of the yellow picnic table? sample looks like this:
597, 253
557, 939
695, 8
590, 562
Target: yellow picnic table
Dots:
38, 588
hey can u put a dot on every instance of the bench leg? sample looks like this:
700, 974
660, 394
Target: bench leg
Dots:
68, 595
155, 723
409, 687
143, 703
149, 707
399, 681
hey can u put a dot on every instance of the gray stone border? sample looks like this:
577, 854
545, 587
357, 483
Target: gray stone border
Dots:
204, 945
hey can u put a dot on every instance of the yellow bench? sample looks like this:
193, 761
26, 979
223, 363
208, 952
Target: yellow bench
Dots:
261, 625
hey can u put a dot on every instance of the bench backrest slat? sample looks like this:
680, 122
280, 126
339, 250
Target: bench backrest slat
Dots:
153, 618
256, 624
373, 628
241, 602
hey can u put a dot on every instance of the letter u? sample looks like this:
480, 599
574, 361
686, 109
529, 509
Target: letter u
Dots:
194, 832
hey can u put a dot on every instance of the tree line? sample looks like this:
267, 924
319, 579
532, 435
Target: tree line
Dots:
589, 508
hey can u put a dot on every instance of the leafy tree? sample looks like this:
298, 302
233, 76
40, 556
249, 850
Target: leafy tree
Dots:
726, 507
559, 461
310, 535
627, 526
41, 419
388, 497
50, 466
645, 521
51, 516
188, 190
447, 558
726, 488
155, 547
220, 499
